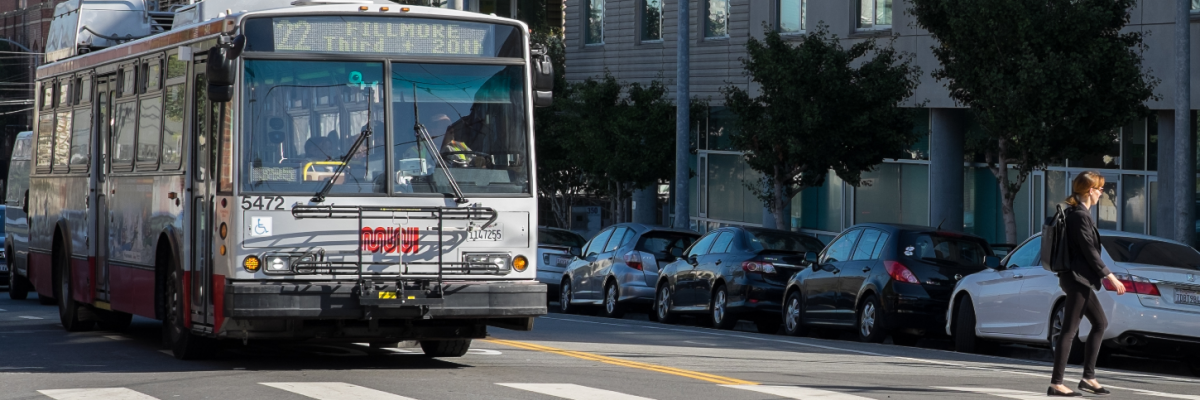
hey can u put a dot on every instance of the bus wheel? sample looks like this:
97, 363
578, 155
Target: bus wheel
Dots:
74, 317
445, 348
18, 286
183, 343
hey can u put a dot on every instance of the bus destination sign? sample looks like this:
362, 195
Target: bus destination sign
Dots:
408, 36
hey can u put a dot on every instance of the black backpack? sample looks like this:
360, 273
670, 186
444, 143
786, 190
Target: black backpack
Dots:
1054, 242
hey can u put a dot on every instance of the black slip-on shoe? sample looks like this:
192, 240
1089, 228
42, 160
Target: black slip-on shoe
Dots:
1051, 391
1084, 386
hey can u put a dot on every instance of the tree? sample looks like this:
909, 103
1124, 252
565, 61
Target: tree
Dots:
1046, 79
821, 107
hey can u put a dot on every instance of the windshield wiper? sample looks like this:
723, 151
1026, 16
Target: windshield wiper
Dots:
423, 135
362, 137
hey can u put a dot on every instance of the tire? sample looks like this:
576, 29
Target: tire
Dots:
564, 297
384, 345
793, 315
662, 305
767, 326
18, 286
870, 326
1195, 367
46, 300
965, 340
73, 316
612, 307
113, 320
905, 340
718, 308
183, 343
445, 348
1056, 324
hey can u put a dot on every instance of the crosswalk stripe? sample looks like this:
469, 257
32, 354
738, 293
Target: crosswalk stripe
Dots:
572, 391
95, 393
1160, 394
798, 392
1006, 393
30, 317
333, 391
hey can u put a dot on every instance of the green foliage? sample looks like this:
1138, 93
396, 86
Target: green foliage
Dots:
821, 107
1046, 79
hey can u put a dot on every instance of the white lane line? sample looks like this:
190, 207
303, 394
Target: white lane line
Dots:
333, 391
2, 310
115, 337
1006, 393
1158, 394
29, 317
798, 392
96, 393
572, 391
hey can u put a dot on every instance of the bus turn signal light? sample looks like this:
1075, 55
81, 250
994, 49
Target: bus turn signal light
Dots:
520, 263
224, 230
251, 263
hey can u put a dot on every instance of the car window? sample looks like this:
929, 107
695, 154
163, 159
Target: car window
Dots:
866, 246
554, 237
962, 250
883, 238
840, 249
1152, 252
629, 235
598, 242
701, 247
722, 243
660, 243
782, 241
1026, 256
615, 242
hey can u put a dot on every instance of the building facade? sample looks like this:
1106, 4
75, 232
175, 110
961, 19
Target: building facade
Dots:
930, 184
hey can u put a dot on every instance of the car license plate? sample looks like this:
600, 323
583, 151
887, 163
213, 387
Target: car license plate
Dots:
3, 268
562, 261
1190, 297
491, 234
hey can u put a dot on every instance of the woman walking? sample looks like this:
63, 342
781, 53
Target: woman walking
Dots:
1080, 284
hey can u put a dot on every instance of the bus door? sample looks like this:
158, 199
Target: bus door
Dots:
202, 182
105, 93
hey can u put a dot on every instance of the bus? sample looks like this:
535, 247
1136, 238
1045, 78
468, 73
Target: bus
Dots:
340, 170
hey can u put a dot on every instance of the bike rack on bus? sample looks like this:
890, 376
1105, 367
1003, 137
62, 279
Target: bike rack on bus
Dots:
407, 291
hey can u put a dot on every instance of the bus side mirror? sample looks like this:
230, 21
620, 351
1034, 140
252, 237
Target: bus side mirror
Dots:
221, 70
543, 77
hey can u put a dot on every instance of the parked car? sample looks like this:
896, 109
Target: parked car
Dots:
554, 253
1002, 249
882, 279
732, 274
16, 225
1021, 302
4, 272
619, 267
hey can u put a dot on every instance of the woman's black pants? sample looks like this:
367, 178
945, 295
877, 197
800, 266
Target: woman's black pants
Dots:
1081, 301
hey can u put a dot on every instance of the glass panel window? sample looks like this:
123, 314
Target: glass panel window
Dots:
64, 93
62, 138
1106, 208
876, 199
597, 244
45, 139
1133, 143
652, 20
880, 245
1109, 158
701, 247
866, 246
1152, 188
875, 14
1151, 252
792, 15
1195, 5
47, 95
81, 134
84, 92
1152, 144
840, 249
128, 80
172, 146
149, 130
175, 67
152, 74
820, 207
615, 242
1056, 190
716, 21
125, 122
722, 243
1026, 256
1134, 197
593, 22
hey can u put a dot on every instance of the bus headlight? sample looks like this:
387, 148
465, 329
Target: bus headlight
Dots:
251, 263
520, 263
277, 263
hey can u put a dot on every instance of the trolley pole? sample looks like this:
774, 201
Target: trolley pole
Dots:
1185, 137
682, 117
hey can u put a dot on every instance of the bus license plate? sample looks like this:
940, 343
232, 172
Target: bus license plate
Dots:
491, 234
1189, 297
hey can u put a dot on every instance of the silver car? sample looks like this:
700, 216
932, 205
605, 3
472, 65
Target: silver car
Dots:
618, 268
554, 254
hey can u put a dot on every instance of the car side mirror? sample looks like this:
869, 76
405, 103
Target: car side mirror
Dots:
810, 258
676, 252
575, 252
693, 260
992, 262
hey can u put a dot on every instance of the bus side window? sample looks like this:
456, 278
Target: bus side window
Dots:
45, 139
172, 146
225, 162
62, 140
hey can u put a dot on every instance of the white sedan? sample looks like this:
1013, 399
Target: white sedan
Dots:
1021, 302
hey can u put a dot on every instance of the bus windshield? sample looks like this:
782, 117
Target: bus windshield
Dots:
302, 117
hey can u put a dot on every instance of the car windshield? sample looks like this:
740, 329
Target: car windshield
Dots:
783, 241
660, 244
959, 250
1151, 252
555, 237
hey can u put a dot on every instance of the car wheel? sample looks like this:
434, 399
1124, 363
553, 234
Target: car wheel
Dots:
662, 305
445, 348
793, 316
1056, 327
18, 288
564, 297
719, 307
870, 326
965, 340
612, 306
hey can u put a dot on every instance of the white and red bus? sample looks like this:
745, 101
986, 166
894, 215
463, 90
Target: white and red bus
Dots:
355, 171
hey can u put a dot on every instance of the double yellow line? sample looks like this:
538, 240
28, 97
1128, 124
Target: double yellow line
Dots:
625, 363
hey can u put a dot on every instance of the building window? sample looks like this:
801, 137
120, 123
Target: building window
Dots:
875, 14
593, 21
716, 23
1195, 5
792, 14
652, 20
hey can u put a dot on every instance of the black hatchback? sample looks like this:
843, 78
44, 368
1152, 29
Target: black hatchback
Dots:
881, 279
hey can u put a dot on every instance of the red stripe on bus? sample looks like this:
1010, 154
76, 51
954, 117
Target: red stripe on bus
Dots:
132, 290
40, 274
187, 299
218, 300
81, 281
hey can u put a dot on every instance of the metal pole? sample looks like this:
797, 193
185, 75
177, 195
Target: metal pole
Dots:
682, 117
1185, 151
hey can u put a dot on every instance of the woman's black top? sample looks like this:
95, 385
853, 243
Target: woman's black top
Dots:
1083, 250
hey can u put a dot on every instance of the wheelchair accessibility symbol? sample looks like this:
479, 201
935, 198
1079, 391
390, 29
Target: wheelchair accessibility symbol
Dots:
260, 226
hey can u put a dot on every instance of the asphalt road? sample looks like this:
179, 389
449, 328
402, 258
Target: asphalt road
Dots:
566, 356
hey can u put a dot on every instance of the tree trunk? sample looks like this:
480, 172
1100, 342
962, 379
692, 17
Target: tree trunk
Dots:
778, 198
1008, 192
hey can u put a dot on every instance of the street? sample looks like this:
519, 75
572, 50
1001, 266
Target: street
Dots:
566, 356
